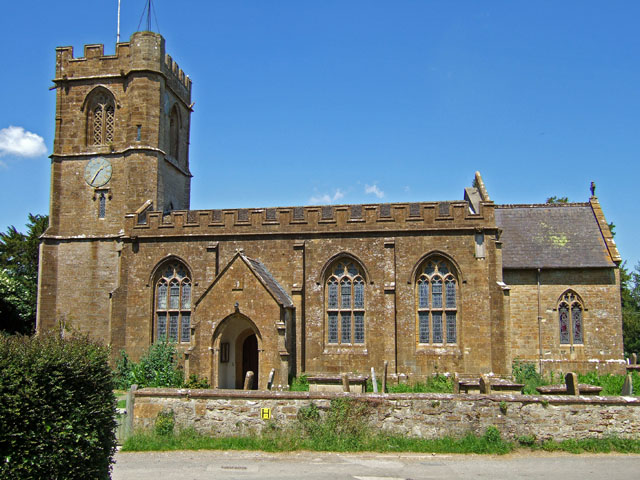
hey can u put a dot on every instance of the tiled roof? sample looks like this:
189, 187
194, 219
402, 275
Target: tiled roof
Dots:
269, 282
551, 236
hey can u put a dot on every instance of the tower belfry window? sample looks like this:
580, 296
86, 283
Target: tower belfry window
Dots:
101, 119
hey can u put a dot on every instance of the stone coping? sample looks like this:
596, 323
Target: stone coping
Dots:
220, 394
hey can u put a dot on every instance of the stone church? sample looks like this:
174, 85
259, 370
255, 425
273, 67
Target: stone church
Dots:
437, 286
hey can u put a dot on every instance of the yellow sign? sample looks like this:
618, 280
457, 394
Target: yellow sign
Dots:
265, 413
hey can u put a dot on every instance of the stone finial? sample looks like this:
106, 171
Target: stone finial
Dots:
593, 189
485, 384
248, 380
571, 381
627, 386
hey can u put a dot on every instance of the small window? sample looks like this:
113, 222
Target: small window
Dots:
173, 304
345, 304
437, 303
174, 134
570, 313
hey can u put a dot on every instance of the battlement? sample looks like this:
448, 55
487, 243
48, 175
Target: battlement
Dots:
144, 51
326, 219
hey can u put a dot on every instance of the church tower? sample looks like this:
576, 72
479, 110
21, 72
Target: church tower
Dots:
121, 145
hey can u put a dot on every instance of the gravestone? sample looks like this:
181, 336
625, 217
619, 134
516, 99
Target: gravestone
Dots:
485, 384
571, 381
627, 386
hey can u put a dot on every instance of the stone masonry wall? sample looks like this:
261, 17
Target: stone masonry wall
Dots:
418, 415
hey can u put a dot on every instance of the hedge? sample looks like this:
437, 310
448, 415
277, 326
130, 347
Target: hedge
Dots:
57, 408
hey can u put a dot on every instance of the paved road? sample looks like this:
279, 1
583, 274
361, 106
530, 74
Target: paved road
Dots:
200, 465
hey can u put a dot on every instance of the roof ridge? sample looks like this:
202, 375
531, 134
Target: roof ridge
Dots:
541, 205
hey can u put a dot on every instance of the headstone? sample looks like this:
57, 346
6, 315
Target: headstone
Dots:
384, 377
456, 383
374, 381
345, 382
485, 384
634, 359
272, 373
627, 386
571, 381
248, 380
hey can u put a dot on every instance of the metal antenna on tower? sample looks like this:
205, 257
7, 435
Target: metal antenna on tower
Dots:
118, 31
148, 8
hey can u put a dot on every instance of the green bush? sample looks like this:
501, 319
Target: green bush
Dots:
157, 368
165, 422
57, 414
525, 372
438, 383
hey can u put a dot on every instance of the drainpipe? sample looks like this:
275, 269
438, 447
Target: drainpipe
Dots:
539, 327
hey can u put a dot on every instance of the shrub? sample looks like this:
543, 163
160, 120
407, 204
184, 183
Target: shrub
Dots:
157, 368
525, 372
58, 409
165, 422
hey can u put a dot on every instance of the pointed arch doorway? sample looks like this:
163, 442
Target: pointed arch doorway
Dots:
236, 347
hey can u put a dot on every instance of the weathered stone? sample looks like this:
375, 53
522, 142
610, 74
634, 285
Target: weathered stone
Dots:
627, 386
571, 381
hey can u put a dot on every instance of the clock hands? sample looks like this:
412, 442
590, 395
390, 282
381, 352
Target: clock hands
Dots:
94, 177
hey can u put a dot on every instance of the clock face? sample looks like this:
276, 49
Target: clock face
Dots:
97, 172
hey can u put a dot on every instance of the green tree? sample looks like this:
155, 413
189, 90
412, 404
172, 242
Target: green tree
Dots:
630, 295
19, 275
555, 199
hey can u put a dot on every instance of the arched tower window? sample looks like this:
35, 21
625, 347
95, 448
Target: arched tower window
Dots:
174, 134
101, 118
345, 303
437, 302
173, 303
570, 311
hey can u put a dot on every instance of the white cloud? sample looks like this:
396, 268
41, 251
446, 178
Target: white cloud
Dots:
17, 141
374, 190
326, 198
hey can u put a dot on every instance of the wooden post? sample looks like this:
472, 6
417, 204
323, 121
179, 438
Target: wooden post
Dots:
248, 380
384, 376
571, 381
374, 380
345, 382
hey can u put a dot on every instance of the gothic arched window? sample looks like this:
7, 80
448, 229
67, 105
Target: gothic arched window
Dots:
173, 303
101, 118
345, 303
436, 294
570, 311
174, 134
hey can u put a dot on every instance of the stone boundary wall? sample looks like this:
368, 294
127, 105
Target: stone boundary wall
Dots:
428, 415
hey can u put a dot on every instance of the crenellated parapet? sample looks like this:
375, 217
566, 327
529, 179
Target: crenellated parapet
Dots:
145, 51
326, 219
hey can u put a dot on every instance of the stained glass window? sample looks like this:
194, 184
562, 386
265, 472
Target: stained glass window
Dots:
436, 317
451, 327
346, 301
185, 332
358, 329
423, 326
173, 327
576, 320
173, 304
345, 335
333, 327
570, 313
437, 309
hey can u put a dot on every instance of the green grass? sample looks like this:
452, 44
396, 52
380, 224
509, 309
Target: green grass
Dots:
290, 441
470, 444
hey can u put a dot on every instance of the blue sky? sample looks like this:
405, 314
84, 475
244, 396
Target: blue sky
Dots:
348, 101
